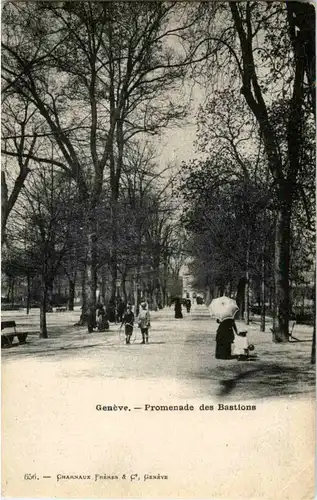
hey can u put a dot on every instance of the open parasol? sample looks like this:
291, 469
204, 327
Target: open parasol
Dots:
223, 308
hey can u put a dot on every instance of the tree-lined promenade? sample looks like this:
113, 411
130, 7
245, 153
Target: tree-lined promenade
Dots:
180, 354
86, 87
54, 389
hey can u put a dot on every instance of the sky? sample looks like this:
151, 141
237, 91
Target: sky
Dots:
177, 143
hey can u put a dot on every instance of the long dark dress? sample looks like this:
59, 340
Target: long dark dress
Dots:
102, 320
178, 309
188, 305
224, 338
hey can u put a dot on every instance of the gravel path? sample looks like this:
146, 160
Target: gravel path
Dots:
51, 389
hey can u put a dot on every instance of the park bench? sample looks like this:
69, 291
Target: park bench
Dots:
7, 338
60, 309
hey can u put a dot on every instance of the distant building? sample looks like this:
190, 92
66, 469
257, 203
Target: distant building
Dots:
187, 280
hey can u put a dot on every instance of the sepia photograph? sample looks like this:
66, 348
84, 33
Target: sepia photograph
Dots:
158, 253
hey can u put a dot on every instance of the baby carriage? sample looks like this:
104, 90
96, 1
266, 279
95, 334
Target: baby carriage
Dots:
241, 347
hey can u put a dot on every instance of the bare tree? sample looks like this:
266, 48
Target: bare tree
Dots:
43, 218
20, 141
254, 49
111, 63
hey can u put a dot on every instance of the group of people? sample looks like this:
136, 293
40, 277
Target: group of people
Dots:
230, 343
143, 321
112, 314
126, 317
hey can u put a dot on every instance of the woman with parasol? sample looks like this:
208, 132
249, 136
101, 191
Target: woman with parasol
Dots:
224, 309
225, 337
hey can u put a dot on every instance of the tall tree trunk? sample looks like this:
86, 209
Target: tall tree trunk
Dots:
313, 349
124, 290
91, 278
271, 293
302, 24
4, 202
240, 298
274, 310
103, 285
247, 283
137, 296
71, 294
209, 295
43, 326
114, 247
164, 294
12, 291
262, 326
282, 265
114, 273
154, 299
83, 316
161, 295
164, 287
253, 94
8, 202
28, 297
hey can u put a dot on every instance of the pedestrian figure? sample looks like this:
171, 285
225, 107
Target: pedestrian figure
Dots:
128, 321
241, 346
120, 310
224, 338
102, 320
188, 305
144, 322
178, 308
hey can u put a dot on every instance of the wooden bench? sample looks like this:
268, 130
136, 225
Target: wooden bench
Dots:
60, 309
7, 338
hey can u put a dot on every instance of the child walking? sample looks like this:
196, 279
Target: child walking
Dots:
144, 322
128, 321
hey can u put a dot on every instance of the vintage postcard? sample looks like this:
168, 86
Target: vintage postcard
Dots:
158, 250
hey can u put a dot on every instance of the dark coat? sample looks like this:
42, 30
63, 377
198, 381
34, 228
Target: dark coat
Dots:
178, 309
128, 318
224, 338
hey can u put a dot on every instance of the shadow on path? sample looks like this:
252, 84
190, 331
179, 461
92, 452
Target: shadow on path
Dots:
50, 351
264, 380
